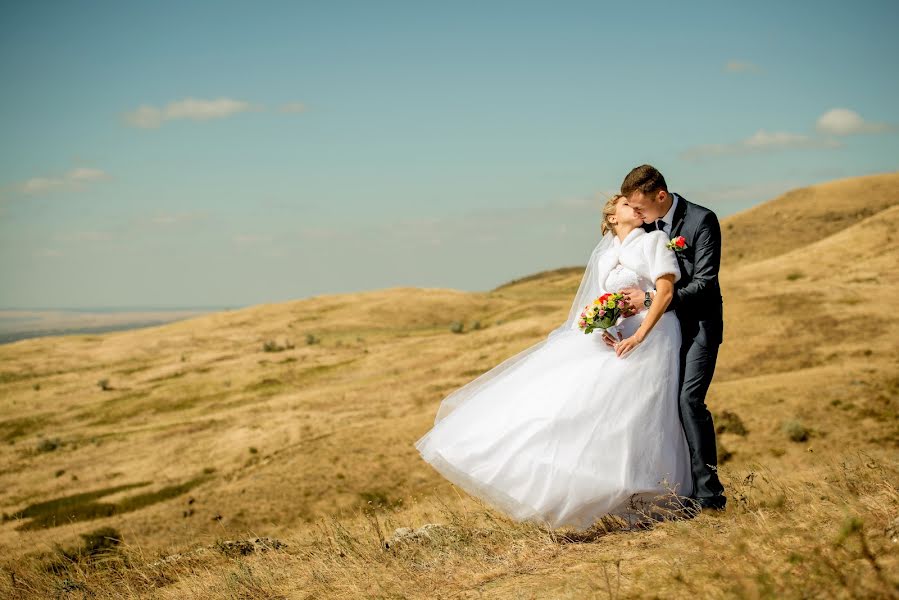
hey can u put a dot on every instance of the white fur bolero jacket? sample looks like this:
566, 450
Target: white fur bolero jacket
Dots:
643, 256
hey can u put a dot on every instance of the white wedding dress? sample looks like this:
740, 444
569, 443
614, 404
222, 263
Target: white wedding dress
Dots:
566, 431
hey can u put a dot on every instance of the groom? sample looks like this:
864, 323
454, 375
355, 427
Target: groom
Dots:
698, 304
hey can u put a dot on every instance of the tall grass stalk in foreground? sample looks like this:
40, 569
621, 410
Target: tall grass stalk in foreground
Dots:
781, 536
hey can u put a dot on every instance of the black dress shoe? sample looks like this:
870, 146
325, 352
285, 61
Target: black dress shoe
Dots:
715, 503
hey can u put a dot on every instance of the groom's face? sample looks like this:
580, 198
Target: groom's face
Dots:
648, 206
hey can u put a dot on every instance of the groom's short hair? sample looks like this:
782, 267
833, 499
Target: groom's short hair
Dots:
645, 178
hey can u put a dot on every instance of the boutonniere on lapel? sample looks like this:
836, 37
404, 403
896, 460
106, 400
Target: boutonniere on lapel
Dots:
677, 244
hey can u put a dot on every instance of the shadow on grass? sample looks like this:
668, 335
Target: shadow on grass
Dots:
84, 507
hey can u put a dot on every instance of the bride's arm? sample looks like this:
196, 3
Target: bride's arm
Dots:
664, 294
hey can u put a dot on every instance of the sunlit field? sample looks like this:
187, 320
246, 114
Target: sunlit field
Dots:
268, 452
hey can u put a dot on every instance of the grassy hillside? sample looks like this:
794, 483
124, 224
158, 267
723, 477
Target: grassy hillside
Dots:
296, 421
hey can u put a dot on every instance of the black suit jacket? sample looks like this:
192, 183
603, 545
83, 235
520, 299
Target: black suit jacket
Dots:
697, 297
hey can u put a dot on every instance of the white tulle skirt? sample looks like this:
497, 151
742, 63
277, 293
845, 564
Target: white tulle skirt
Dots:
574, 432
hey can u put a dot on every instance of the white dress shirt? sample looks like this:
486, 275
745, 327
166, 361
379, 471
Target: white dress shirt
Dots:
669, 216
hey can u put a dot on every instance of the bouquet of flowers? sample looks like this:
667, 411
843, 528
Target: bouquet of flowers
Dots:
603, 314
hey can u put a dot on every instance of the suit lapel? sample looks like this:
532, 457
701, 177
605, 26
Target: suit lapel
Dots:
679, 212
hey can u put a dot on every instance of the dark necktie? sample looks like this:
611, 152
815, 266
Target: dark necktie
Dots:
660, 225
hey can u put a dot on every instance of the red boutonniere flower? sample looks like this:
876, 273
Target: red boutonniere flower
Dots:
677, 244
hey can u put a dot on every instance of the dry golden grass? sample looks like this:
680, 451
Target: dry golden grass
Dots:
202, 436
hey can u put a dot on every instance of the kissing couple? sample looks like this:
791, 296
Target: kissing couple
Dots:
577, 427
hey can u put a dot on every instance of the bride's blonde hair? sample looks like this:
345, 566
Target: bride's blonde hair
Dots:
609, 210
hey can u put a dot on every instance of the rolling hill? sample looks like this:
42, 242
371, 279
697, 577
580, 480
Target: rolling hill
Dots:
296, 421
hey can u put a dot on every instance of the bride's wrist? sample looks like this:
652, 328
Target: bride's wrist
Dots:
639, 335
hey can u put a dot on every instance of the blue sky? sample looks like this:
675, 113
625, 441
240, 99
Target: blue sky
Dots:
226, 154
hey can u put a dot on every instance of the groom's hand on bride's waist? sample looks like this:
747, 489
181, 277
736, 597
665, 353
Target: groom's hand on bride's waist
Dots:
634, 298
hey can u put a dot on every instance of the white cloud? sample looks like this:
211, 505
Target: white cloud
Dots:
293, 107
152, 117
741, 66
37, 185
778, 139
760, 141
87, 174
71, 181
843, 121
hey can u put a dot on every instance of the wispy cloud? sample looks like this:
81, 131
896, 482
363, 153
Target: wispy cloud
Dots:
741, 66
843, 121
195, 109
293, 107
75, 180
147, 116
760, 141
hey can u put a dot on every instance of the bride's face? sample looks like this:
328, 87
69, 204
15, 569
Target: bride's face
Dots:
626, 214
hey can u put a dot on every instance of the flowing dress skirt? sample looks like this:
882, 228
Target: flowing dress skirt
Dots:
574, 432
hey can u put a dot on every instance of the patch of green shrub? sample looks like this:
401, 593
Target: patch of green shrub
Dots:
796, 431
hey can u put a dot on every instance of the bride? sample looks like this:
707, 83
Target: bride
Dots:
572, 429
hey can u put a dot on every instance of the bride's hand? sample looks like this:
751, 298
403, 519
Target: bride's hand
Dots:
609, 340
625, 347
